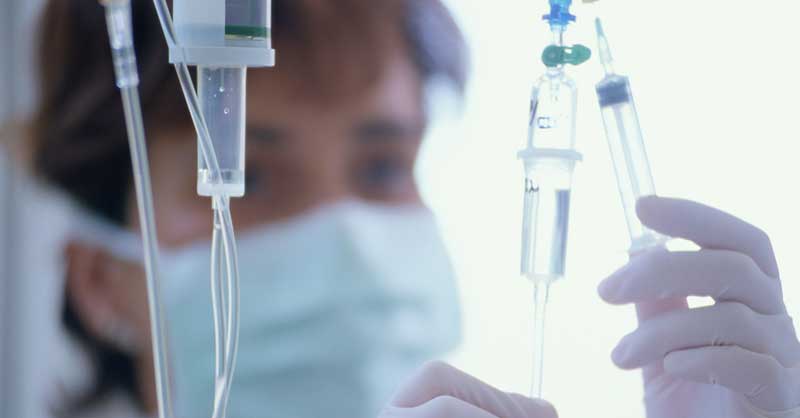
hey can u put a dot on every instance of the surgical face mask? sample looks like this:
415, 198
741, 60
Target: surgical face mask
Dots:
338, 306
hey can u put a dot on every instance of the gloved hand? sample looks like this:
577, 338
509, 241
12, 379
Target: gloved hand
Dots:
441, 391
738, 358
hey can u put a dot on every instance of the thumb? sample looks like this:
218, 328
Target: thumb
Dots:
439, 387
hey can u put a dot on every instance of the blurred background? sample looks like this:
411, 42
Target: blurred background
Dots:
33, 223
717, 90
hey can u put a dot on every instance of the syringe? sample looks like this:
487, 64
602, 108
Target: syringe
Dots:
626, 143
549, 159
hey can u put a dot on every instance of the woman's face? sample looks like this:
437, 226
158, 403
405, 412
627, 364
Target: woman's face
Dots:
301, 153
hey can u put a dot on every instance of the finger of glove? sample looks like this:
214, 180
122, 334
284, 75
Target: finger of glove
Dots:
708, 228
726, 323
760, 378
721, 274
441, 407
438, 379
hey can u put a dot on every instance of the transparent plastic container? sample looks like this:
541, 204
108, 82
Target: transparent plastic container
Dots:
222, 95
552, 113
549, 159
548, 185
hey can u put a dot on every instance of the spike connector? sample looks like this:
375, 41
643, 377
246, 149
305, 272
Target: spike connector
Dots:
553, 55
559, 13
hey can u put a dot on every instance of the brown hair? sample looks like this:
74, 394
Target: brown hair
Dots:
79, 142
78, 139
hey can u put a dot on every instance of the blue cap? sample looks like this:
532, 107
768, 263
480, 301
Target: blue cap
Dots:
559, 13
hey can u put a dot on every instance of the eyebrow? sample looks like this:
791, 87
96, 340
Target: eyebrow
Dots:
265, 135
381, 130
377, 130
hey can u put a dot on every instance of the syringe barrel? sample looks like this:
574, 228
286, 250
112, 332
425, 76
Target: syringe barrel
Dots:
631, 165
222, 95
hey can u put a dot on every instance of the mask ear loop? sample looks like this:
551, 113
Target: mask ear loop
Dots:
120, 334
119, 242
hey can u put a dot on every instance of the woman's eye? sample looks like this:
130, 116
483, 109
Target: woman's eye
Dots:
386, 174
255, 180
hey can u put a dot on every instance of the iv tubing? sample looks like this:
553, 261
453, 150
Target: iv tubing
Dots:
229, 332
144, 197
187, 86
229, 309
217, 298
118, 18
225, 303
541, 291
232, 325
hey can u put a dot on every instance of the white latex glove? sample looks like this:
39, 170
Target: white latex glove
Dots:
738, 358
441, 391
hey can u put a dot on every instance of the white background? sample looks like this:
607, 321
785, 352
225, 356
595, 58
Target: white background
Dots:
716, 83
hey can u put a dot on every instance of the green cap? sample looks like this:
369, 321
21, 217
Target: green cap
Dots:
554, 56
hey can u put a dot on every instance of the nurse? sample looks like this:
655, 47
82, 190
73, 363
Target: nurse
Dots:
346, 286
